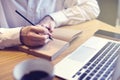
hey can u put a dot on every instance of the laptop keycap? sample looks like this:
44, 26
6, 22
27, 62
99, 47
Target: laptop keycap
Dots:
102, 64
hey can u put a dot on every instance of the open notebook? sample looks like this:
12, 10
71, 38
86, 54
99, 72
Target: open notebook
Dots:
61, 40
93, 60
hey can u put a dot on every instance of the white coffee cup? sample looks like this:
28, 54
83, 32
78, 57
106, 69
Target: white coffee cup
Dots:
32, 69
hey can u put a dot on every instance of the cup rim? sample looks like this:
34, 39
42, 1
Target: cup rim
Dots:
29, 65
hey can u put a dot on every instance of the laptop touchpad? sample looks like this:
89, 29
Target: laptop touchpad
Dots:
83, 54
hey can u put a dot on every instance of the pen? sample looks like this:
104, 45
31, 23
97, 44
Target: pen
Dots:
24, 17
31, 22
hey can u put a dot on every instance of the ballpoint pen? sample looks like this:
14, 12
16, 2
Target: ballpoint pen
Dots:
31, 22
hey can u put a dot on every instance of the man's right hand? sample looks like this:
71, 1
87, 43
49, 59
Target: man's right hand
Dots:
34, 35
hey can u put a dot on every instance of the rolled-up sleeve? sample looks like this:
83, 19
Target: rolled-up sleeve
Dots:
80, 11
9, 37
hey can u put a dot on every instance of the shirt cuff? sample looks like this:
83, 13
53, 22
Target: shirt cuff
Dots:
16, 35
59, 18
9, 37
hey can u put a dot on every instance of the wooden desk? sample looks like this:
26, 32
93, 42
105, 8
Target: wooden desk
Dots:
11, 57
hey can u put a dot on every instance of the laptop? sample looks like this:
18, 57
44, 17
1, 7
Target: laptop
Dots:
116, 73
93, 60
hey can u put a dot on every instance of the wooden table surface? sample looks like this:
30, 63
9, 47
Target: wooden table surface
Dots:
9, 58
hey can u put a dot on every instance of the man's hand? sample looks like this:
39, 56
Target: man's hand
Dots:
34, 35
48, 23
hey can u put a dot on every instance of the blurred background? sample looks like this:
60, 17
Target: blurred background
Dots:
109, 12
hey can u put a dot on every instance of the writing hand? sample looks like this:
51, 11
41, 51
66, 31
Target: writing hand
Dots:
34, 36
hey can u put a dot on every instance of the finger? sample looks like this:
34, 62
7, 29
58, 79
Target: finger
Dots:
36, 40
38, 43
38, 37
48, 31
40, 30
47, 26
52, 26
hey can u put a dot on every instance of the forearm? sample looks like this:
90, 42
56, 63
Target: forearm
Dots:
9, 37
78, 13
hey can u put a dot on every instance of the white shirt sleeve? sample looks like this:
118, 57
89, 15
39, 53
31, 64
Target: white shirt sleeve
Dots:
77, 12
9, 37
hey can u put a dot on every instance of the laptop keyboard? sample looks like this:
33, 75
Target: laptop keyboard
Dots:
101, 66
